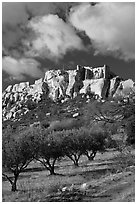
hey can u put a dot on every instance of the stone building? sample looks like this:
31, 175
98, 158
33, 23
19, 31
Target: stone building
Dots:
93, 72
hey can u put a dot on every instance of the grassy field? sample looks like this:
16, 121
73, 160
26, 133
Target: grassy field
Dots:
110, 177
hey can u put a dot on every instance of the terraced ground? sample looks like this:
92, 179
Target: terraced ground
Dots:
109, 178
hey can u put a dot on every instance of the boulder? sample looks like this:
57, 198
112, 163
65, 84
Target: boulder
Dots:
125, 88
39, 81
9, 115
35, 124
35, 88
16, 96
48, 114
75, 115
8, 89
20, 87
7, 96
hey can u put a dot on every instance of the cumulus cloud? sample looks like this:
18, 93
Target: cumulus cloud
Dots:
53, 38
18, 69
15, 15
110, 27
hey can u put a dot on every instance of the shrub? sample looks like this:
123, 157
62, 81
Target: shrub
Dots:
130, 130
31, 105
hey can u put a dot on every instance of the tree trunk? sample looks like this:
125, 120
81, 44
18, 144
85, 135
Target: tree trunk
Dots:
51, 167
14, 187
90, 156
76, 162
75, 159
14, 183
52, 172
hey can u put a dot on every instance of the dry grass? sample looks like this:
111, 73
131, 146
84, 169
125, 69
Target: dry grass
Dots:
103, 176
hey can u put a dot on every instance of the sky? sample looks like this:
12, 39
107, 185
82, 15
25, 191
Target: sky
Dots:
41, 36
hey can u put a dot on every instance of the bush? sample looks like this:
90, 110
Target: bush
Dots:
31, 105
125, 160
130, 130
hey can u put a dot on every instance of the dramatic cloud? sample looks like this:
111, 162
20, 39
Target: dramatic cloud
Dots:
15, 15
17, 69
53, 38
110, 27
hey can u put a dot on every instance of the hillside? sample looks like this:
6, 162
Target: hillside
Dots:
84, 115
62, 94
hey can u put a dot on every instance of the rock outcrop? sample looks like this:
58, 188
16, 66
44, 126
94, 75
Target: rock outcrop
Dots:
57, 82
60, 85
125, 88
114, 83
95, 86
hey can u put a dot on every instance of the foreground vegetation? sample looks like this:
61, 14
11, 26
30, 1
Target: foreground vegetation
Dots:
47, 147
110, 177
44, 155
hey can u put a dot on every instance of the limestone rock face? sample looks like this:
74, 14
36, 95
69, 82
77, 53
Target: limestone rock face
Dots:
15, 96
61, 85
20, 87
57, 81
96, 86
9, 88
72, 75
114, 83
125, 88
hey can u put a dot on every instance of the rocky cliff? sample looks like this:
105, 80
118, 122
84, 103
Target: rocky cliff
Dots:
60, 85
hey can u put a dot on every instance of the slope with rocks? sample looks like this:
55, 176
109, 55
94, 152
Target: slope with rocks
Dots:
60, 86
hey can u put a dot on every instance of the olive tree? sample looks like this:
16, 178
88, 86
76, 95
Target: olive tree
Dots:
96, 141
49, 148
16, 154
75, 143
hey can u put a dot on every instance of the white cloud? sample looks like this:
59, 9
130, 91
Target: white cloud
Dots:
53, 37
17, 69
110, 27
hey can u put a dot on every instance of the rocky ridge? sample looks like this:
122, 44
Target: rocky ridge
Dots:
64, 85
